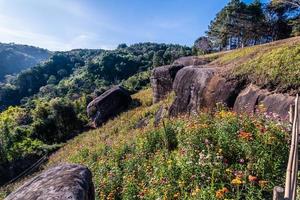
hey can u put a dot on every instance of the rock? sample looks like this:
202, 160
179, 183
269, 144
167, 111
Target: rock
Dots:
142, 122
191, 60
189, 86
247, 100
221, 90
162, 80
275, 105
66, 181
109, 104
159, 115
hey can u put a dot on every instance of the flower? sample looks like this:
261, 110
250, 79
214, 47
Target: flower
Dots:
238, 174
263, 183
252, 178
237, 181
176, 195
245, 135
194, 193
221, 193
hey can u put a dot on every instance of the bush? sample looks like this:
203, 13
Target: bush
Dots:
55, 122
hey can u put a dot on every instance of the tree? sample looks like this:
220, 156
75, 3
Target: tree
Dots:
203, 45
294, 3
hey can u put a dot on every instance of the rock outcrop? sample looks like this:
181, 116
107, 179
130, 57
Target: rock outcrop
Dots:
107, 105
162, 80
191, 60
189, 85
202, 87
67, 181
221, 90
276, 105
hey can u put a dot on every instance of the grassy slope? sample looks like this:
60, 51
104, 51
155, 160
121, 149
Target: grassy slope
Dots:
275, 66
203, 157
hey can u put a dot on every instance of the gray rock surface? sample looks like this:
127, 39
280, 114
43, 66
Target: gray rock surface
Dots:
189, 86
66, 181
162, 80
109, 104
221, 90
276, 105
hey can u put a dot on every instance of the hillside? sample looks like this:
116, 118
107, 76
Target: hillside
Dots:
44, 106
204, 157
16, 57
274, 66
145, 154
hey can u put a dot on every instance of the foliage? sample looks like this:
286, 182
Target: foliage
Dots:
14, 138
54, 122
275, 66
239, 24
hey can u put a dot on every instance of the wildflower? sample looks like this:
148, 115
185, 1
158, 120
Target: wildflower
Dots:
206, 141
237, 182
263, 183
238, 174
221, 193
228, 170
176, 195
241, 161
252, 178
245, 135
194, 193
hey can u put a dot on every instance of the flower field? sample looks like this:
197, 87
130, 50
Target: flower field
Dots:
209, 156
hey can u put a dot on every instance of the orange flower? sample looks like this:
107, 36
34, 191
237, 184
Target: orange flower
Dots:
245, 135
252, 178
221, 193
263, 183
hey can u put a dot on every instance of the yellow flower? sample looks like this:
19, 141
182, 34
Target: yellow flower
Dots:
194, 193
237, 182
263, 183
176, 195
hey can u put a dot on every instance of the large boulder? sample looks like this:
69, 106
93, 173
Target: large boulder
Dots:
162, 80
273, 104
221, 90
66, 181
191, 60
189, 86
109, 104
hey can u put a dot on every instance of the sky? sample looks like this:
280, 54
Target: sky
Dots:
71, 24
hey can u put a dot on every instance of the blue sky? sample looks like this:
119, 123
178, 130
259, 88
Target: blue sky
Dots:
69, 24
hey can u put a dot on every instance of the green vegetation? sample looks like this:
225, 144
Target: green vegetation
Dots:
275, 66
44, 106
241, 24
202, 157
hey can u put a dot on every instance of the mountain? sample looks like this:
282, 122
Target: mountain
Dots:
16, 57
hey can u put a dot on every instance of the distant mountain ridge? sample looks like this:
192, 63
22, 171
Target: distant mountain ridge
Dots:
16, 57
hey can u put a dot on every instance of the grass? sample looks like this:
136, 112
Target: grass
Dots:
275, 66
210, 156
